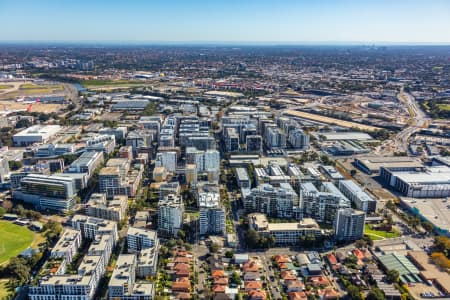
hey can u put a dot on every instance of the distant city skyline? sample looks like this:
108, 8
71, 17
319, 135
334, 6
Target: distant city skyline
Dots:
229, 22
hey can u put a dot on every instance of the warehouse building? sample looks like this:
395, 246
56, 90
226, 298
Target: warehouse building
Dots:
35, 134
430, 182
130, 105
372, 164
406, 269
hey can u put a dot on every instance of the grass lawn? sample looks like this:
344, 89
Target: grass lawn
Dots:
99, 83
29, 86
378, 234
41, 89
444, 106
13, 240
4, 87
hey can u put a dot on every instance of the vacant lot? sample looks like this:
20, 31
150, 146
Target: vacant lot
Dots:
379, 234
35, 107
328, 120
14, 239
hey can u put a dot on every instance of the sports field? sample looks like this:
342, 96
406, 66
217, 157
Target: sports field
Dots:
13, 240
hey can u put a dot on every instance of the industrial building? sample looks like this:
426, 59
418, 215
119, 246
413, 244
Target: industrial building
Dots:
373, 164
429, 182
130, 105
35, 134
406, 269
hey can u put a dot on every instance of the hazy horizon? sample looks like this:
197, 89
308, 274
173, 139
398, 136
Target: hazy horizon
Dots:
230, 22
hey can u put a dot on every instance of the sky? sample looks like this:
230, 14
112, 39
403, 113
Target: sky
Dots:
233, 21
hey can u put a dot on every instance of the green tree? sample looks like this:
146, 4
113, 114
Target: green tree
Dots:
252, 238
23, 123
15, 165
52, 229
375, 294
361, 244
229, 254
20, 210
34, 215
171, 243
235, 278
214, 247
44, 117
442, 244
69, 158
393, 275
427, 226
19, 269
354, 293
351, 260
150, 110
164, 251
7, 205
181, 235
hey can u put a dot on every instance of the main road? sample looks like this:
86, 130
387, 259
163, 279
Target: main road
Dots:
418, 120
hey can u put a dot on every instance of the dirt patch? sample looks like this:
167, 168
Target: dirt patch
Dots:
33, 107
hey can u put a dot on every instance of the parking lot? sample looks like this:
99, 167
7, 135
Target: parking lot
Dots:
437, 211
421, 290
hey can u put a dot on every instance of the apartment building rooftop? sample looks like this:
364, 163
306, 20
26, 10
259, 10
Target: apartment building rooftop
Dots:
109, 171
122, 271
150, 234
148, 257
65, 280
68, 236
100, 243
89, 265
304, 223
208, 199
95, 221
